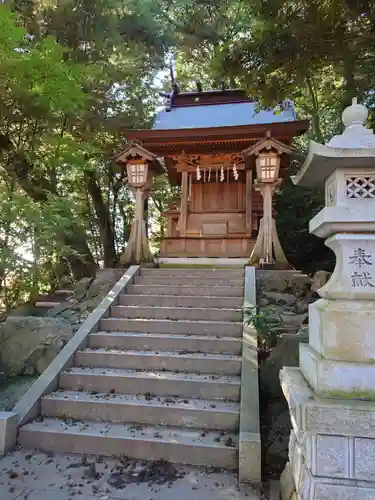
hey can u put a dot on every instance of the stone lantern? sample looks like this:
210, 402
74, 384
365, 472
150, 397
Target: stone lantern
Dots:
141, 167
332, 394
267, 251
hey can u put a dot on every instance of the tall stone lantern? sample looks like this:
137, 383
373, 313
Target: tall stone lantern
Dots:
141, 166
332, 394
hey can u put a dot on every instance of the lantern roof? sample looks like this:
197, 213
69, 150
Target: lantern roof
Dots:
267, 144
135, 151
354, 148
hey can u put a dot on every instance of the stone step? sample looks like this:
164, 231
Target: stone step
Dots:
143, 409
179, 301
63, 292
216, 364
187, 272
186, 290
159, 383
211, 328
193, 281
45, 304
176, 313
152, 443
162, 342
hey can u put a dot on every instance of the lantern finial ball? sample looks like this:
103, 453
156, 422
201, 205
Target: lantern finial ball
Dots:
355, 114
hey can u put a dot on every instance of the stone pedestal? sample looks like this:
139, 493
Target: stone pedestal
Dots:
332, 394
332, 445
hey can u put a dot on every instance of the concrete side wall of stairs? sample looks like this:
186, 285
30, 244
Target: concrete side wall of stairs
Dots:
155, 379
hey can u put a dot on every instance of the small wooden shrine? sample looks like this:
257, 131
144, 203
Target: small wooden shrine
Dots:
201, 136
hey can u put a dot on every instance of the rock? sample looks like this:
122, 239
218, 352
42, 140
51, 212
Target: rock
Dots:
279, 431
319, 279
29, 344
104, 280
26, 310
285, 353
87, 295
280, 298
263, 302
274, 284
292, 319
300, 283
287, 486
13, 390
273, 311
302, 306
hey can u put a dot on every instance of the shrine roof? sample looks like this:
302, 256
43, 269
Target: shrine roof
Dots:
215, 119
220, 115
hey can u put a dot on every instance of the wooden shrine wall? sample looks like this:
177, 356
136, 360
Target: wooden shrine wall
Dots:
217, 207
217, 197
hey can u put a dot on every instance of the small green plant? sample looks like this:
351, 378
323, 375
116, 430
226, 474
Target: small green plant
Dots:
263, 322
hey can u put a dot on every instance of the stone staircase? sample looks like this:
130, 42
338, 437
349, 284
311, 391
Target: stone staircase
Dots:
160, 380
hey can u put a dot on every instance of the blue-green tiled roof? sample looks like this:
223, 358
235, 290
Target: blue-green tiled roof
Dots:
220, 115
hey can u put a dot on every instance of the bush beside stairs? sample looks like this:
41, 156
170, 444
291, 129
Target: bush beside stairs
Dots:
161, 380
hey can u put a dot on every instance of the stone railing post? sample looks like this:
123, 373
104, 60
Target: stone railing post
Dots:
332, 394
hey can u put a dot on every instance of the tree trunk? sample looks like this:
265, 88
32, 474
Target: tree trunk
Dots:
350, 87
81, 260
104, 220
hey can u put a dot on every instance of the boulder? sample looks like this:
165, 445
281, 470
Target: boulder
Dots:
279, 430
273, 284
302, 306
13, 389
263, 302
300, 283
87, 295
292, 319
285, 353
280, 298
319, 279
29, 344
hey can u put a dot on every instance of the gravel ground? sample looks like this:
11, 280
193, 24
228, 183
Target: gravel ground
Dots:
40, 476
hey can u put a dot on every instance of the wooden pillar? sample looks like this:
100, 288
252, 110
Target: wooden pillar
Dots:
137, 249
184, 202
248, 195
267, 192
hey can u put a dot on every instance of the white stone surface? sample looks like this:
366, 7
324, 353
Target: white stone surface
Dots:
8, 431
355, 135
296, 392
332, 220
334, 446
337, 378
354, 274
350, 187
350, 201
312, 487
343, 330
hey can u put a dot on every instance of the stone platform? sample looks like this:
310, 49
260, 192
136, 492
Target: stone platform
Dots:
332, 444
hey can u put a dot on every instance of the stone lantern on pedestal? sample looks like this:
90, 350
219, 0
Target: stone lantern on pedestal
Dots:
141, 167
332, 394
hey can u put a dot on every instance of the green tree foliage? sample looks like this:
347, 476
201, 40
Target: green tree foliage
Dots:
72, 75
